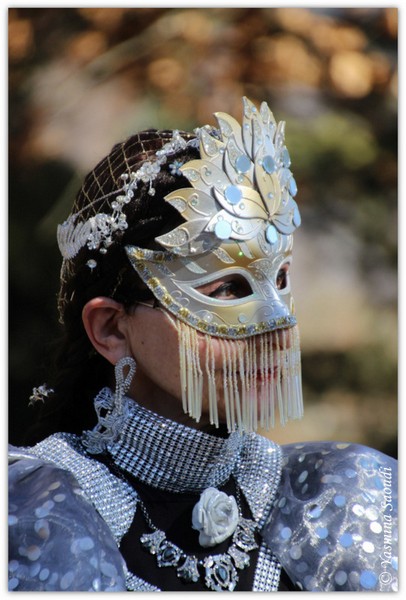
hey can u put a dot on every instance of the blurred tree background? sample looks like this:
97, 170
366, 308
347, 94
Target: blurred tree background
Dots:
81, 79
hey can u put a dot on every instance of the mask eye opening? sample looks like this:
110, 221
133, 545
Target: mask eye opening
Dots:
228, 288
282, 277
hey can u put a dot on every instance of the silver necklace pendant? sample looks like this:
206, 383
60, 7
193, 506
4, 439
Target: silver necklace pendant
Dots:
221, 575
153, 540
168, 554
244, 535
241, 559
188, 572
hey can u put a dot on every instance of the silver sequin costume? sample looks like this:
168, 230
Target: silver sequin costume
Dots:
327, 511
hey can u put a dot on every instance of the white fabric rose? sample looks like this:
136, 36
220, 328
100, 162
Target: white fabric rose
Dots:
215, 516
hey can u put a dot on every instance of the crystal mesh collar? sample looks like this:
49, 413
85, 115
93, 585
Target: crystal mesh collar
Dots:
172, 456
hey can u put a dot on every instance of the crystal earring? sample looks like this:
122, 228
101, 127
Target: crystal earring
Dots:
110, 410
123, 381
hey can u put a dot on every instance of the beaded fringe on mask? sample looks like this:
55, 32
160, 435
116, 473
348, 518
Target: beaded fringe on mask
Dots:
258, 376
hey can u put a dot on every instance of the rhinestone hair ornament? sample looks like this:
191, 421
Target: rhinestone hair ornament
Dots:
239, 215
97, 232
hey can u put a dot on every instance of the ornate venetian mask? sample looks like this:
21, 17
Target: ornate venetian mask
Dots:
239, 216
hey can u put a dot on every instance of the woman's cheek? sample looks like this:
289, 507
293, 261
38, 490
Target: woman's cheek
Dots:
218, 350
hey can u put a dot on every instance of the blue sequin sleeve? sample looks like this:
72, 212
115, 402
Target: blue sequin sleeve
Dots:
333, 525
57, 540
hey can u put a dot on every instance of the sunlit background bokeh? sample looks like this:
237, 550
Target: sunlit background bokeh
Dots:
81, 79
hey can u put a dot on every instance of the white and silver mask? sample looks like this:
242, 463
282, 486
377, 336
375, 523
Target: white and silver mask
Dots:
239, 218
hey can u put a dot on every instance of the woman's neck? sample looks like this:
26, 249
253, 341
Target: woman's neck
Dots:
147, 394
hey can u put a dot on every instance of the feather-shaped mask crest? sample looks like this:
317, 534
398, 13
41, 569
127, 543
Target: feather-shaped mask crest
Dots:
242, 185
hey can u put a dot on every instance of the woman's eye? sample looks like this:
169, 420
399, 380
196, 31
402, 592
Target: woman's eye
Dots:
282, 278
234, 288
228, 290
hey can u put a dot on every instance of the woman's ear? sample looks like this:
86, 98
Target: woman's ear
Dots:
103, 321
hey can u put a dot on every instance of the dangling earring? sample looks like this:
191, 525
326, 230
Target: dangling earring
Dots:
123, 382
110, 410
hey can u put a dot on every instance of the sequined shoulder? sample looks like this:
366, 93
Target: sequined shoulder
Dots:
57, 540
334, 521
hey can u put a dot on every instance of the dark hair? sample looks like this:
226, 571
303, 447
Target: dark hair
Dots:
79, 372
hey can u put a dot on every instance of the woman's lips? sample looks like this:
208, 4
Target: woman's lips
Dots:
262, 375
268, 374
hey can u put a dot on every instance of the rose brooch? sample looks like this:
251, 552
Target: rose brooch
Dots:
215, 516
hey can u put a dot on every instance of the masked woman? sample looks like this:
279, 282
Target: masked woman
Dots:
180, 340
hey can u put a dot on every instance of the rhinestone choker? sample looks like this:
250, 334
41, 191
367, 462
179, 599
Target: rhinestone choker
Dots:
171, 456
